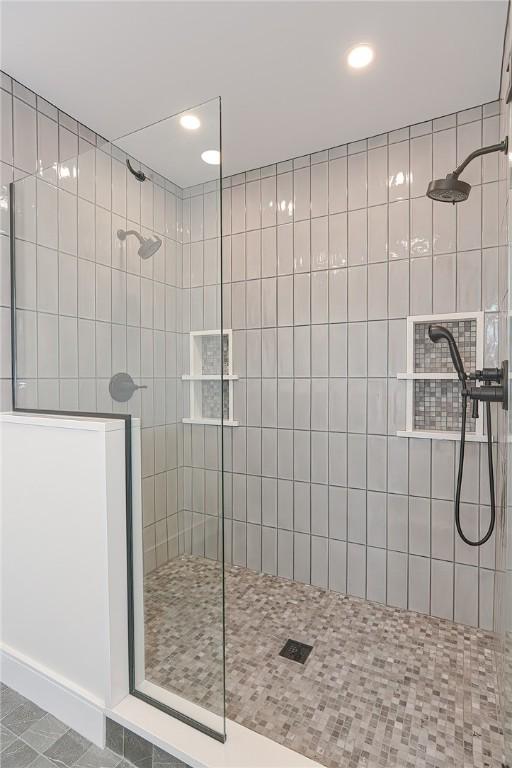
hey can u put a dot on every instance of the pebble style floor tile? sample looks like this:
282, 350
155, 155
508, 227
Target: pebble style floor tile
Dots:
382, 687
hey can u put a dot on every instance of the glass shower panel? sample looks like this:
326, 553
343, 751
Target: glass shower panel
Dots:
178, 571
503, 593
117, 264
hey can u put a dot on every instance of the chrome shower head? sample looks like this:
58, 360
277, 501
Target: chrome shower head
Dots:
148, 245
449, 190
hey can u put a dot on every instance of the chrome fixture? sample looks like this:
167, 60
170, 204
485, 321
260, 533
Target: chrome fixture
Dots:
493, 390
451, 189
148, 245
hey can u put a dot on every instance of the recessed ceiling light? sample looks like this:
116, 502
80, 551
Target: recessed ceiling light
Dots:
190, 122
360, 56
211, 156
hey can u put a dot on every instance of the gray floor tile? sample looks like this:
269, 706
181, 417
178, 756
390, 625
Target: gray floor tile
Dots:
41, 762
137, 750
163, 759
115, 736
62, 746
9, 701
99, 758
23, 717
17, 755
68, 749
6, 737
45, 732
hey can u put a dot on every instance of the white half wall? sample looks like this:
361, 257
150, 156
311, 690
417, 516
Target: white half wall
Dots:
63, 565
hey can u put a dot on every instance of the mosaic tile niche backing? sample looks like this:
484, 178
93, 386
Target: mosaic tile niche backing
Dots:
210, 355
437, 403
437, 406
435, 358
211, 397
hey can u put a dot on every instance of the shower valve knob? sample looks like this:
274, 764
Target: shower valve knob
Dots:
122, 387
487, 374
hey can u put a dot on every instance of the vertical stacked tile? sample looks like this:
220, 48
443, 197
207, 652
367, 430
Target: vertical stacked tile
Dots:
324, 257
87, 305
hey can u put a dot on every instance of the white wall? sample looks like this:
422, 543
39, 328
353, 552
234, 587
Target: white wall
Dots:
63, 564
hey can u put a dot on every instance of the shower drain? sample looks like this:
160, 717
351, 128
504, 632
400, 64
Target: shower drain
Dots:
295, 651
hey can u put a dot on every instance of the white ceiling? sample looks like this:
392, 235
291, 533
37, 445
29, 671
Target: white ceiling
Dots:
278, 66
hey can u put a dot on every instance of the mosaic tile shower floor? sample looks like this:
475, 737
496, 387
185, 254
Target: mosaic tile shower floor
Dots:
382, 686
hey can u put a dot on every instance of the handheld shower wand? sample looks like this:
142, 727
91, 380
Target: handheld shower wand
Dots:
439, 332
487, 393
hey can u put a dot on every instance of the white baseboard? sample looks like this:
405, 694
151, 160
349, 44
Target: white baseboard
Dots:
59, 696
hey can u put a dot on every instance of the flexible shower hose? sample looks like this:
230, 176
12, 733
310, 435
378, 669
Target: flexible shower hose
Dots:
461, 470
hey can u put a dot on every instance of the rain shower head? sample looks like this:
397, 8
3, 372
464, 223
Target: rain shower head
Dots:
148, 245
451, 189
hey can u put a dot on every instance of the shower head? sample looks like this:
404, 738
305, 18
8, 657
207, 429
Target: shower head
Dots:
451, 189
148, 245
436, 334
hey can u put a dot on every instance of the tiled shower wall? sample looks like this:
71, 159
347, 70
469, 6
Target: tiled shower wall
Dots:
324, 257
87, 305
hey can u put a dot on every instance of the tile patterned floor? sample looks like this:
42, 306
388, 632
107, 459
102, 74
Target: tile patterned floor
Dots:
32, 738
382, 687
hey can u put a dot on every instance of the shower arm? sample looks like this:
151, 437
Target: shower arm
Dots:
137, 235
139, 175
501, 147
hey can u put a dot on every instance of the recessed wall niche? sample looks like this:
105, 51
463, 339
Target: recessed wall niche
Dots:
211, 378
434, 404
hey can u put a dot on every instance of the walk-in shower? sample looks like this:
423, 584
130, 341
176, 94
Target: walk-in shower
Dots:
293, 563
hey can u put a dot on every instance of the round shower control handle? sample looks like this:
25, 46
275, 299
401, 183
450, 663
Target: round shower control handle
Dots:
122, 387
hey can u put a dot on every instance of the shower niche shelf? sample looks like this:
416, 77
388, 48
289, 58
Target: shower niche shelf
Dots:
432, 390
205, 379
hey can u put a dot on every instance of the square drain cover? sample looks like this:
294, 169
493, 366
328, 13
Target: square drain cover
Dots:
296, 651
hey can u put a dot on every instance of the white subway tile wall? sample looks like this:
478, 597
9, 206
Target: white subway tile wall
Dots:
324, 257
87, 305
